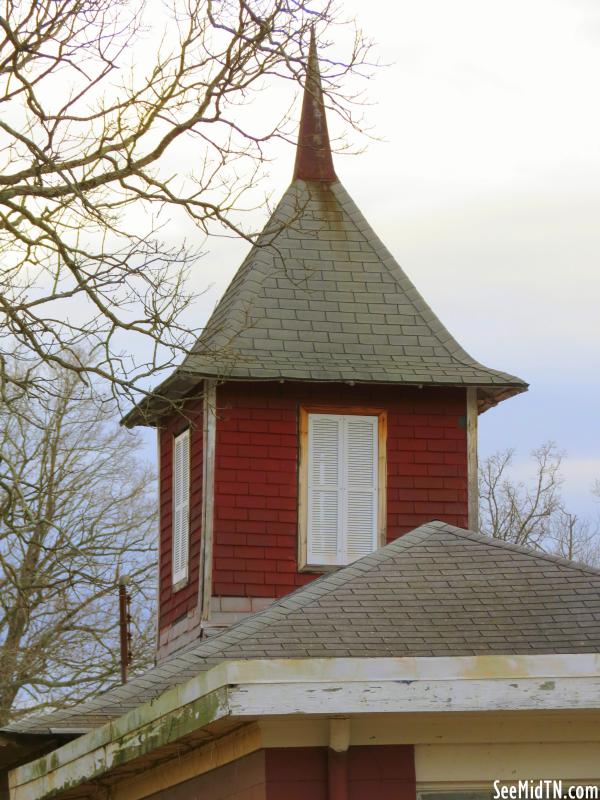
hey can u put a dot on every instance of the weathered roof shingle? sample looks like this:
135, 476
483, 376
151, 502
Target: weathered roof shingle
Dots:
320, 298
323, 299
437, 591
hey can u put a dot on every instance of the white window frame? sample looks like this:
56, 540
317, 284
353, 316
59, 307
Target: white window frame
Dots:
180, 512
304, 561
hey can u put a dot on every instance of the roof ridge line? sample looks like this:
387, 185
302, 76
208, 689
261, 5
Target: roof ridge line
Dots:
327, 583
467, 533
354, 588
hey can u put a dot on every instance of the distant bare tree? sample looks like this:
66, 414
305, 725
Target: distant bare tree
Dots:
77, 508
532, 513
95, 96
516, 511
575, 538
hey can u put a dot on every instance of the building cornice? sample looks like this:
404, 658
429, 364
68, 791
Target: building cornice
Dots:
241, 691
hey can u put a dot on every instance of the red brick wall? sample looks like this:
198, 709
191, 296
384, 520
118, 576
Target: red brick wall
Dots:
173, 605
256, 482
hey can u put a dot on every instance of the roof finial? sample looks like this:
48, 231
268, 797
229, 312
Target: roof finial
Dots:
313, 154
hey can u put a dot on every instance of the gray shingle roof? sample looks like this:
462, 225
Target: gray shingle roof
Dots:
437, 591
320, 298
323, 299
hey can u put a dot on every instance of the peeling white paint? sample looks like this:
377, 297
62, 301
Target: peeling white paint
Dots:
299, 687
420, 696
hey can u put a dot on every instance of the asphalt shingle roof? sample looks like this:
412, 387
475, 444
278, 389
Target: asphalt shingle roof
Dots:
437, 591
320, 298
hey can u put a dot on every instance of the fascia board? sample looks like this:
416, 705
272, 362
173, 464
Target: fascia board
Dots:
266, 687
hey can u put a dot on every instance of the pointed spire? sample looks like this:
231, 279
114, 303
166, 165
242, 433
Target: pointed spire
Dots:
313, 154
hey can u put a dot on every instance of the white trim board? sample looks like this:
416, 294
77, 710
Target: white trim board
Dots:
420, 696
256, 688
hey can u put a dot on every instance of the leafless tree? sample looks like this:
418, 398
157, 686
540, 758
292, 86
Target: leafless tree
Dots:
514, 510
575, 538
77, 509
532, 512
95, 98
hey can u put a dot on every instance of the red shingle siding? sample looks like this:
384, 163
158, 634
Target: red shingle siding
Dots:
373, 772
256, 482
255, 527
173, 605
426, 459
242, 779
384, 772
296, 773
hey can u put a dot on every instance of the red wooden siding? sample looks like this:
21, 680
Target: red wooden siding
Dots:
256, 480
255, 525
174, 605
243, 779
296, 773
384, 772
256, 488
376, 772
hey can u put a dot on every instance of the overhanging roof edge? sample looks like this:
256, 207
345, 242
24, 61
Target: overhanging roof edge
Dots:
207, 695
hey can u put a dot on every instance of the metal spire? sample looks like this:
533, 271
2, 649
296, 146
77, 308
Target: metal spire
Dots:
313, 154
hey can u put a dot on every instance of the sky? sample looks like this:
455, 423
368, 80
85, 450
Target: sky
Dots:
483, 179
486, 188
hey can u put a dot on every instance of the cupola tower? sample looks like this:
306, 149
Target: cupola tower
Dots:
324, 410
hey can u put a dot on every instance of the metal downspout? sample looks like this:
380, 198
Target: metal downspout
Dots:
337, 759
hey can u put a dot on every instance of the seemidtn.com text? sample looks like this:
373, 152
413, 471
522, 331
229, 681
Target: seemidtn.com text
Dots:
545, 789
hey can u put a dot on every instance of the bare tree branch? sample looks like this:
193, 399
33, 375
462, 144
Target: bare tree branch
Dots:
77, 508
513, 510
85, 142
574, 538
532, 513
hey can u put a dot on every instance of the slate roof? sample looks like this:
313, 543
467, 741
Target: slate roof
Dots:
323, 299
437, 591
320, 298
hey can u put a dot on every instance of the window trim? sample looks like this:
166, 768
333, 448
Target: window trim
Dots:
304, 412
182, 582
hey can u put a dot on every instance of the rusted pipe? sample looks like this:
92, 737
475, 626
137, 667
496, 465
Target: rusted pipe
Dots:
123, 628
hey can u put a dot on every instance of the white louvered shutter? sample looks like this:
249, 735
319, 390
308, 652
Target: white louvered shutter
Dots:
360, 484
181, 506
342, 488
324, 488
